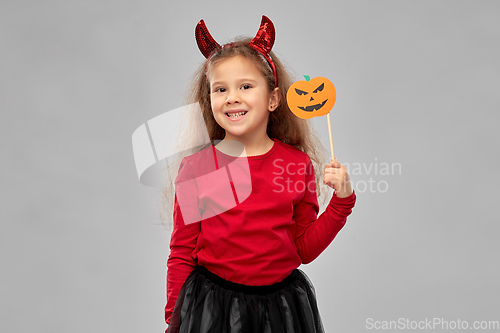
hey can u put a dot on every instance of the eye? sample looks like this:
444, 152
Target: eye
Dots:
245, 86
220, 89
300, 92
320, 88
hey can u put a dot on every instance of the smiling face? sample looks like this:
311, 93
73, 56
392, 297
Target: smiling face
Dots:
307, 99
240, 99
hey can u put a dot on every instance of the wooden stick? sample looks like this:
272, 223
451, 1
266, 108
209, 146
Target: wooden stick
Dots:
330, 132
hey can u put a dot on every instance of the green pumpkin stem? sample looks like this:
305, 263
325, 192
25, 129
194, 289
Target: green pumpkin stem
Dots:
307, 77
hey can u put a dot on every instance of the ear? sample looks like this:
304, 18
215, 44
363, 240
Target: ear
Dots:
274, 99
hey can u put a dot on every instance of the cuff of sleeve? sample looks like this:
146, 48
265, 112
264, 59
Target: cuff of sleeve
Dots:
348, 201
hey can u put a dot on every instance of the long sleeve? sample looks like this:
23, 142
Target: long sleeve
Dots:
313, 234
184, 237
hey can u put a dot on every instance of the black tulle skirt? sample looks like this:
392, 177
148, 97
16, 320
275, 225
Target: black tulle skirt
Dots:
209, 304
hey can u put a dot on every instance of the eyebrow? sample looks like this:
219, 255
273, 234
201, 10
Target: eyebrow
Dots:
240, 80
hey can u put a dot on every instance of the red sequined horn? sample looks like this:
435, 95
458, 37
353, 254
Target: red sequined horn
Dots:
206, 43
264, 40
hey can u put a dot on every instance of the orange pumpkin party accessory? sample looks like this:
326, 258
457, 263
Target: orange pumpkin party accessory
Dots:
312, 97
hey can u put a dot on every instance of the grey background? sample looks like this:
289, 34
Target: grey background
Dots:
417, 83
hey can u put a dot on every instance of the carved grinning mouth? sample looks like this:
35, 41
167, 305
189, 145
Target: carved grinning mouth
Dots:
313, 107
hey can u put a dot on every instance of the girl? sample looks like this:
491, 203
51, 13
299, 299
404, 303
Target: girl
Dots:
245, 212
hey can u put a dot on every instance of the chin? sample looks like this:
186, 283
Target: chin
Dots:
236, 135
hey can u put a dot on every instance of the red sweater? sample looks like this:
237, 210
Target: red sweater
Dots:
259, 217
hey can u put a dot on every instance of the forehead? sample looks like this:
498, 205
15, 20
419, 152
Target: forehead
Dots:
234, 68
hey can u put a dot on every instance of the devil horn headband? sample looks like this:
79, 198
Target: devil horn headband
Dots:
262, 42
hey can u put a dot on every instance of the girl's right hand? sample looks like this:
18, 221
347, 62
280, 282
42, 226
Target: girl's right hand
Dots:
337, 177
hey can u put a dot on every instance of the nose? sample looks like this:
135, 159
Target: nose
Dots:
233, 96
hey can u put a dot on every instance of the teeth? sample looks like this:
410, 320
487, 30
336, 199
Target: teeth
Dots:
236, 114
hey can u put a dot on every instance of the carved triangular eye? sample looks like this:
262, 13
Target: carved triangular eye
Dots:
300, 92
320, 88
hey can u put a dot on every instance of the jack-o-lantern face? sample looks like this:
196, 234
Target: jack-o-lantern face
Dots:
311, 98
